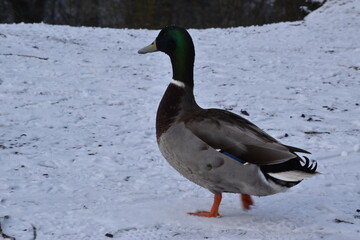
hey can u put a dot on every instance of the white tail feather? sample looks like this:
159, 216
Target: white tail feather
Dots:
291, 176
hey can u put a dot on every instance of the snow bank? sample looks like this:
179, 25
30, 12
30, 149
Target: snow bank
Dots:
77, 143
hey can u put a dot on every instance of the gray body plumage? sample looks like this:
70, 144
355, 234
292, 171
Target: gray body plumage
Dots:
205, 166
182, 145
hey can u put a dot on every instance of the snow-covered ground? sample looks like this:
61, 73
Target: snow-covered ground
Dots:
78, 154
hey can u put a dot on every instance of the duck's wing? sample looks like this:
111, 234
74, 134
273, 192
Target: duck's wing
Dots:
238, 138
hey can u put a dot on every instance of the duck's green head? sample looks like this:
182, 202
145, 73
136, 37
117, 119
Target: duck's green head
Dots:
171, 39
177, 43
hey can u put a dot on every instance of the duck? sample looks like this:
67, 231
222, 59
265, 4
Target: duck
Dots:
214, 148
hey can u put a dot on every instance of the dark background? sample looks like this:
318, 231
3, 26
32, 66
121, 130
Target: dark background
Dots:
155, 14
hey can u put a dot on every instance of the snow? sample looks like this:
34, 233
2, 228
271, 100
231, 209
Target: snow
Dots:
78, 153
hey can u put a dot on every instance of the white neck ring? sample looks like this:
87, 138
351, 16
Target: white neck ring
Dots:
178, 83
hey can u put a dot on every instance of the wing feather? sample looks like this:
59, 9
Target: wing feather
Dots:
237, 136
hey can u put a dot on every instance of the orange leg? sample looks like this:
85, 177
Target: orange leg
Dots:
214, 212
246, 201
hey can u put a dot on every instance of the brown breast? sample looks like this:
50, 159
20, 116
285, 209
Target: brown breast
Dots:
169, 108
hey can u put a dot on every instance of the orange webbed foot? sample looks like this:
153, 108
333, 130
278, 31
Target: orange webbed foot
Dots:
246, 201
214, 212
204, 214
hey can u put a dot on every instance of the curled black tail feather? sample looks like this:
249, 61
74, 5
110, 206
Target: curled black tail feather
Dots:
307, 167
291, 165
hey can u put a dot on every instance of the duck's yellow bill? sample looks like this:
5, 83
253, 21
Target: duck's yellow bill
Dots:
151, 48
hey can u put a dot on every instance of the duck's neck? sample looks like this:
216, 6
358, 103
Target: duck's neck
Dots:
182, 61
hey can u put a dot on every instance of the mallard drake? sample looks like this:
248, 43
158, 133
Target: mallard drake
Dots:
214, 148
